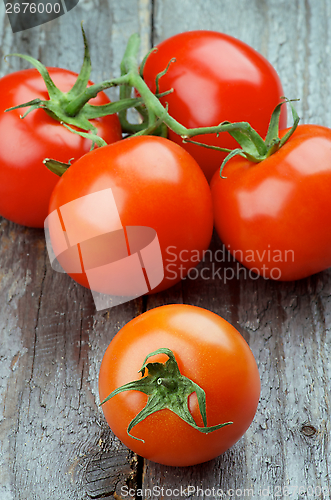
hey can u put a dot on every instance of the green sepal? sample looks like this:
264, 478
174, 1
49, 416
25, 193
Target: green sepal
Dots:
272, 140
251, 139
296, 120
35, 103
53, 91
207, 146
111, 108
96, 139
72, 107
273, 129
85, 71
57, 167
166, 388
235, 152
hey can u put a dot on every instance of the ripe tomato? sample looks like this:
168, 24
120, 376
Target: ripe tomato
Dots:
273, 216
155, 184
215, 78
25, 183
211, 353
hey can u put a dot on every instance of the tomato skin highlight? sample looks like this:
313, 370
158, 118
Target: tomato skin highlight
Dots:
273, 216
209, 351
215, 78
156, 184
25, 183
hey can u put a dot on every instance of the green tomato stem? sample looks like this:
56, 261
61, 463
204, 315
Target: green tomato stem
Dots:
72, 109
252, 146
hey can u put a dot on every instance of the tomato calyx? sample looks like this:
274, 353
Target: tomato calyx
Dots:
253, 147
72, 108
57, 167
166, 388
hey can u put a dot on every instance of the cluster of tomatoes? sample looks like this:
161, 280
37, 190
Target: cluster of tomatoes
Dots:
266, 205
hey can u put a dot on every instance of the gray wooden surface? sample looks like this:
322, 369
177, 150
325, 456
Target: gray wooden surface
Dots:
54, 442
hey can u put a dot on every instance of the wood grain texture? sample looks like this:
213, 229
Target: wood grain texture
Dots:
54, 442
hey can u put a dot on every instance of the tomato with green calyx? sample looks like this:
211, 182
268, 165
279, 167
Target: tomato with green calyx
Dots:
198, 388
273, 215
25, 183
213, 78
142, 181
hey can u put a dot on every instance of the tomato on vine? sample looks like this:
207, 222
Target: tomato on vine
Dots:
210, 78
271, 209
25, 183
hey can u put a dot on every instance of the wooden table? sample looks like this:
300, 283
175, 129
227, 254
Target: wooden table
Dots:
54, 441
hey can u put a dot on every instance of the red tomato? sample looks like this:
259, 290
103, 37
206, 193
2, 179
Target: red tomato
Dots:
208, 351
25, 183
215, 78
273, 216
154, 183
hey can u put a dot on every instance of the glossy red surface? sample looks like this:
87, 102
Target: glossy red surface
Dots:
155, 183
274, 216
